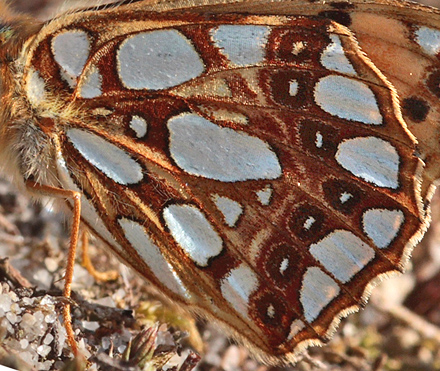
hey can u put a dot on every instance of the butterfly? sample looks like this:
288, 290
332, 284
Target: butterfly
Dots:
262, 164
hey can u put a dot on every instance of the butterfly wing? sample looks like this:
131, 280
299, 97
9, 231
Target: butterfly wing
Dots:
192, 138
387, 30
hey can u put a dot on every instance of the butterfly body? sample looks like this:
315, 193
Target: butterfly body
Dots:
190, 130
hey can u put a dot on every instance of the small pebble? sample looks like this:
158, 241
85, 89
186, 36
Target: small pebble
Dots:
6, 325
47, 300
46, 365
12, 317
27, 320
122, 348
16, 308
13, 296
107, 301
28, 358
48, 339
90, 325
5, 302
43, 278
50, 318
43, 350
105, 343
51, 264
27, 301
39, 316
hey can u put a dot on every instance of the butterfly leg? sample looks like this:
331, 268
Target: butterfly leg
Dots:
110, 275
45, 190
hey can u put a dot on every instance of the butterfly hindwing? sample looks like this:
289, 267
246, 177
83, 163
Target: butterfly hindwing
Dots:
196, 170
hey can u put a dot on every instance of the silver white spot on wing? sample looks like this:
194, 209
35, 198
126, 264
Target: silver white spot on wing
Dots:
114, 162
344, 197
317, 291
238, 286
88, 212
372, 159
157, 60
429, 39
230, 209
334, 58
343, 254
318, 140
193, 232
382, 225
71, 50
202, 148
35, 88
139, 125
152, 256
348, 99
295, 328
264, 195
243, 45
271, 311
293, 87
90, 85
284, 265
309, 222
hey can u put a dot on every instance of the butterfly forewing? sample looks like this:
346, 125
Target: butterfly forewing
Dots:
254, 168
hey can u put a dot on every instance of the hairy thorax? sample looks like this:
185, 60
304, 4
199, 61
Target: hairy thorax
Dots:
28, 122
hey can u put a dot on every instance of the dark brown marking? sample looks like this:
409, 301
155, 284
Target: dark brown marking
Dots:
298, 46
334, 189
276, 327
337, 16
280, 317
415, 108
309, 129
277, 254
342, 5
280, 86
300, 216
433, 83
